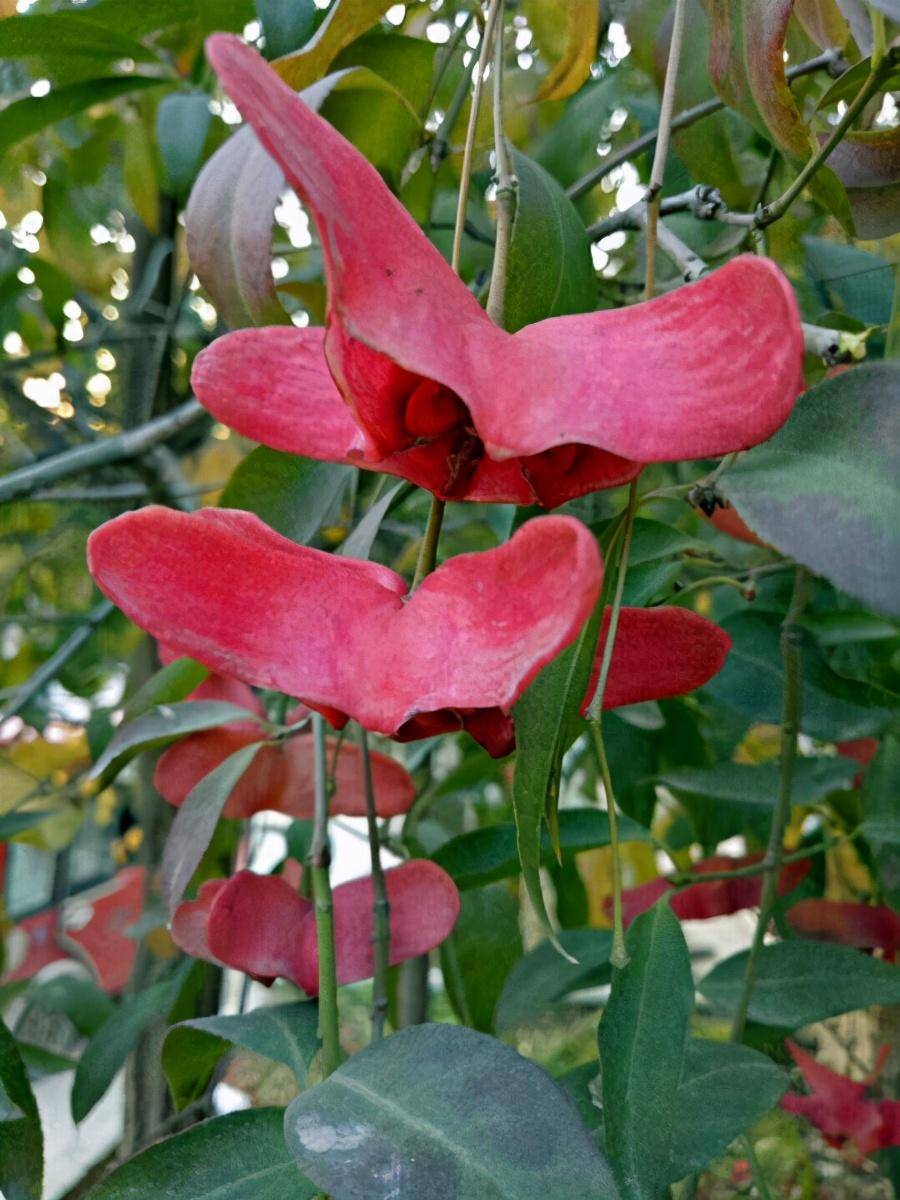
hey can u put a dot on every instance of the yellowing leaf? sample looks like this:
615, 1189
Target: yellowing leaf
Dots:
344, 23
566, 33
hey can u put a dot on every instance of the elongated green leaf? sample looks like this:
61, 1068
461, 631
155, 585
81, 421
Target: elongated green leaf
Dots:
724, 1091
643, 1040
286, 24
881, 824
162, 725
477, 956
291, 494
23, 118
359, 542
17, 822
543, 977
752, 681
171, 683
21, 1138
486, 855
80, 1000
196, 821
182, 123
238, 1157
346, 20
437, 1110
547, 719
741, 783
826, 488
549, 269
72, 34
799, 982
105, 1054
283, 1032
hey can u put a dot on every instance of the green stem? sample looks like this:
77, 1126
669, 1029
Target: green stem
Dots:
506, 191
661, 153
320, 861
687, 879
759, 1178
777, 209
619, 955
791, 715
381, 907
879, 36
595, 708
429, 547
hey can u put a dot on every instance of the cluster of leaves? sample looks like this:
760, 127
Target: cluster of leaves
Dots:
115, 113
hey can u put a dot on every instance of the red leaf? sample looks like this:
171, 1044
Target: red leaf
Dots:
707, 369
223, 588
866, 926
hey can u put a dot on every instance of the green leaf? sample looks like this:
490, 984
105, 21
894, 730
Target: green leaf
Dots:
41, 1062
438, 1110
741, 783
544, 978
486, 855
182, 123
21, 1138
291, 494
480, 952
238, 1157
724, 1091
171, 683
105, 1054
285, 1033
752, 682
359, 542
24, 118
17, 822
799, 982
162, 725
825, 489
286, 24
196, 820
643, 1040
80, 1000
881, 823
549, 269
68, 34
547, 719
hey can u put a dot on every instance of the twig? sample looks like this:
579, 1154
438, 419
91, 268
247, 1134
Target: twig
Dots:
792, 713
661, 153
774, 211
703, 202
132, 443
320, 861
834, 346
688, 879
830, 60
381, 909
48, 670
487, 41
114, 492
689, 263
507, 188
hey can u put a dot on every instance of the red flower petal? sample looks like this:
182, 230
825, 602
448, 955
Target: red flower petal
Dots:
424, 907
718, 898
707, 369
191, 918
282, 778
659, 652
866, 926
254, 923
222, 587
298, 409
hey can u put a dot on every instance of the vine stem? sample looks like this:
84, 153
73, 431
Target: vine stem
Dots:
320, 861
791, 716
619, 956
774, 211
661, 152
381, 931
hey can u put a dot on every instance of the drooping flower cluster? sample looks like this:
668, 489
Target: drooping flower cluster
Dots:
411, 378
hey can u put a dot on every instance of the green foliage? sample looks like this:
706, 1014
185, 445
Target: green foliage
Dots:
21, 1139
293, 495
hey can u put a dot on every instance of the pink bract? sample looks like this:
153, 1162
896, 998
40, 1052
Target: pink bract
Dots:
436, 392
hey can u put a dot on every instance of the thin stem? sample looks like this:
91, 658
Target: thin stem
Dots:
381, 908
759, 1178
829, 60
791, 715
48, 670
661, 153
506, 191
777, 209
595, 708
879, 36
688, 879
320, 861
619, 955
440, 146
429, 547
487, 41
130, 444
